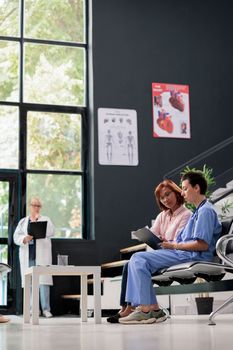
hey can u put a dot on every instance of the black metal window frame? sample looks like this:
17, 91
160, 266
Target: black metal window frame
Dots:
36, 107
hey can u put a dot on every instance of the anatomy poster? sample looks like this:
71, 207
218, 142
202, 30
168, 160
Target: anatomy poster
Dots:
171, 115
118, 136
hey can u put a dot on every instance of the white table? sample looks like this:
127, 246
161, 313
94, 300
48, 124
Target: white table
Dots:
31, 278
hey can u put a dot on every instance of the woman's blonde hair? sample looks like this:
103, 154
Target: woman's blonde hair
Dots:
34, 198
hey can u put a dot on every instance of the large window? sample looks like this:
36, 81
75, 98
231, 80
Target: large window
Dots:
54, 74
4, 216
43, 54
54, 141
9, 137
9, 71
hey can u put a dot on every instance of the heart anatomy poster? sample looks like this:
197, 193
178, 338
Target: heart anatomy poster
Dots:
117, 136
171, 112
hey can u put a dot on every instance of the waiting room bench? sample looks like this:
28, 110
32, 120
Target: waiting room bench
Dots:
212, 273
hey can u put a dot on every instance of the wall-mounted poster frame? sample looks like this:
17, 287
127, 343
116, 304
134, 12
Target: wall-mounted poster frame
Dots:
171, 112
117, 136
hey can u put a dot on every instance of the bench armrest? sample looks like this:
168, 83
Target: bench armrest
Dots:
221, 247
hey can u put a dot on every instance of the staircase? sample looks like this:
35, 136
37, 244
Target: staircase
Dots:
222, 197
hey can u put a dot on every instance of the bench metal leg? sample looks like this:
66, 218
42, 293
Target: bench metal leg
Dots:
221, 307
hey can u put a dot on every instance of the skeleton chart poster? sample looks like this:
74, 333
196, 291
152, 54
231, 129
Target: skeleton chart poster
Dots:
171, 115
117, 136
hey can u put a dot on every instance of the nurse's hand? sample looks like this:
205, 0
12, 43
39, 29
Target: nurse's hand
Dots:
27, 239
168, 245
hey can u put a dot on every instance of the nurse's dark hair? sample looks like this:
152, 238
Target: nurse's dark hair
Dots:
172, 187
196, 178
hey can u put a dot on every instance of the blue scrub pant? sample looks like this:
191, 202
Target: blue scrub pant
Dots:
142, 265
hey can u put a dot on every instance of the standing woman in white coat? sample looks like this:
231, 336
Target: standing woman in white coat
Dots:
37, 252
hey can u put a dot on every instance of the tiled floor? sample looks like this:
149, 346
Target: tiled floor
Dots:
177, 333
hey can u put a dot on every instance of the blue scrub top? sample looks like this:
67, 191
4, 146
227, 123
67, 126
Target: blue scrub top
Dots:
203, 225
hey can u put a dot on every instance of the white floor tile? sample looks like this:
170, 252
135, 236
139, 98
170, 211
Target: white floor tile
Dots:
177, 333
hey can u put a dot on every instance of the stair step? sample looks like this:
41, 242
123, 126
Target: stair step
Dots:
219, 192
118, 263
71, 296
134, 248
229, 184
91, 280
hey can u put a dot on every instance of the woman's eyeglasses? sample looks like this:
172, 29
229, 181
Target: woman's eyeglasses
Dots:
35, 205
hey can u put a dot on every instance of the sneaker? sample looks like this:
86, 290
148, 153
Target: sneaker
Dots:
138, 316
47, 314
114, 318
161, 315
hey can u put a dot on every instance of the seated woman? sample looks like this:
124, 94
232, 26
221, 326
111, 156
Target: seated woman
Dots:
167, 225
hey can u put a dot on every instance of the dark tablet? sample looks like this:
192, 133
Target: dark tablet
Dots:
38, 229
147, 236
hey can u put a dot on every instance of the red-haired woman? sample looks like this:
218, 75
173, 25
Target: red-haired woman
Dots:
172, 219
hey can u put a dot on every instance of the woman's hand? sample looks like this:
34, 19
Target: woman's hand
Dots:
27, 239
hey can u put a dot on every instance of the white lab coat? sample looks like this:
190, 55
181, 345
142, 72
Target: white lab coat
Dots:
43, 248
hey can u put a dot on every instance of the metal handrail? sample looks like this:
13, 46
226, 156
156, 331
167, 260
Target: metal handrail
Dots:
201, 156
221, 247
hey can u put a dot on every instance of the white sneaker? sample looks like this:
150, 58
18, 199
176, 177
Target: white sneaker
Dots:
31, 312
47, 314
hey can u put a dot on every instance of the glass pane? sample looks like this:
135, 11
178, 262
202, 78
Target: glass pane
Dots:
3, 279
9, 140
9, 71
9, 17
54, 74
53, 141
61, 197
55, 20
4, 205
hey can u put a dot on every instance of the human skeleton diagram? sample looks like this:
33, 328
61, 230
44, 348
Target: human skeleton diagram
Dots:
130, 142
109, 145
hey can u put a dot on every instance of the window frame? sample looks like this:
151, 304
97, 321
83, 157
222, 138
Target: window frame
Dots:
25, 107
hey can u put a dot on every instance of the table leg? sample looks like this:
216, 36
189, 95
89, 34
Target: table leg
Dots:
84, 298
97, 297
35, 297
26, 298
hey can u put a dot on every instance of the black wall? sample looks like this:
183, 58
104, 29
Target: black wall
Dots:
139, 42
136, 43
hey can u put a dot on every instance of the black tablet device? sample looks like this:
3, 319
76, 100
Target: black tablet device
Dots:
145, 235
38, 229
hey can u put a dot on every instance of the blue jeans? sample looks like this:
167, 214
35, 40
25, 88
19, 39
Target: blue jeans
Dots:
44, 292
